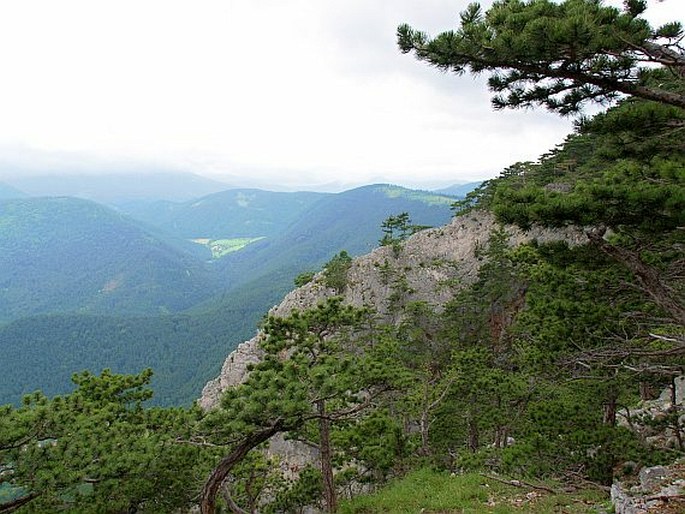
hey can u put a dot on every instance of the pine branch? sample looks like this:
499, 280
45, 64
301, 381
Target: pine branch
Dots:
225, 465
230, 502
647, 276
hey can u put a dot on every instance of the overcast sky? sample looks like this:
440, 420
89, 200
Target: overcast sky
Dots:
294, 93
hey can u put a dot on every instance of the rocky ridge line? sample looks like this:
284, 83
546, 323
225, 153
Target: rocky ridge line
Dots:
430, 266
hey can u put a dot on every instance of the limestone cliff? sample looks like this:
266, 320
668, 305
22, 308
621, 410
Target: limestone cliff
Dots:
429, 266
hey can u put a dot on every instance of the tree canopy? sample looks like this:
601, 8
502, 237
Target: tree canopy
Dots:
98, 449
317, 371
530, 368
559, 55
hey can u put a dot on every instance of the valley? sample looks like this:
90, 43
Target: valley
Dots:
169, 285
515, 345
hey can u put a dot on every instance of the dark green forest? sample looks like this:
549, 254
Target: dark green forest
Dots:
86, 287
66, 254
530, 372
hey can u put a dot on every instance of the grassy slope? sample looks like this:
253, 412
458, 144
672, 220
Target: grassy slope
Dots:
429, 491
221, 247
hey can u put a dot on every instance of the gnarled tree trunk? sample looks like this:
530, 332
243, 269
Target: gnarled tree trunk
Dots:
326, 456
221, 471
647, 276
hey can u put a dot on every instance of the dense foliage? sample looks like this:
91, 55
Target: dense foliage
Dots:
526, 371
99, 449
559, 54
43, 352
66, 255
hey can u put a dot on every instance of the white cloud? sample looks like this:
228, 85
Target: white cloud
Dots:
225, 86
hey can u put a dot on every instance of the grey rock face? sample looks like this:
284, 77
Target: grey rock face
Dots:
638, 419
667, 394
430, 266
660, 490
233, 372
650, 477
623, 502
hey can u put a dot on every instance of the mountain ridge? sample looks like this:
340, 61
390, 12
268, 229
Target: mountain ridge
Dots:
61, 253
238, 288
430, 266
111, 188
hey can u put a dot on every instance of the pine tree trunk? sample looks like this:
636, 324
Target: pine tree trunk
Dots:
230, 502
647, 276
221, 471
645, 391
473, 433
423, 427
326, 457
610, 410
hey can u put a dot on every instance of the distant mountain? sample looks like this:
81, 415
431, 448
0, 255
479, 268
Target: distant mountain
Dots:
66, 254
110, 277
459, 190
184, 350
120, 187
228, 214
7, 192
349, 221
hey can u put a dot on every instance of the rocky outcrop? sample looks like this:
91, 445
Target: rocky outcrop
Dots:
430, 266
233, 372
658, 489
659, 422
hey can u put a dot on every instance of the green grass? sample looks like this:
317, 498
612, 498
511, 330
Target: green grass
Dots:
221, 247
426, 491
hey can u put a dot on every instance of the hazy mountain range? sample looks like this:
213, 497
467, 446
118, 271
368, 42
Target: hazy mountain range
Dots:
116, 187
170, 285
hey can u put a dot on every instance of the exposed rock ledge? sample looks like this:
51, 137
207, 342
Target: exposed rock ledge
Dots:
659, 489
435, 263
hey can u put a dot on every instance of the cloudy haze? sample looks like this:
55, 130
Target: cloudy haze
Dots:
294, 93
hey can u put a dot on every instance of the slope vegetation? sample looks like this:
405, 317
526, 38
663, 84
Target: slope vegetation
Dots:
227, 214
64, 254
97, 289
345, 221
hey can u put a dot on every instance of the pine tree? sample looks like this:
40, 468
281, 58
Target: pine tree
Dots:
559, 55
98, 449
311, 377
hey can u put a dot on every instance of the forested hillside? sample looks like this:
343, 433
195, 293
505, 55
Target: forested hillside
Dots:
349, 221
65, 254
131, 296
537, 341
227, 214
459, 190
